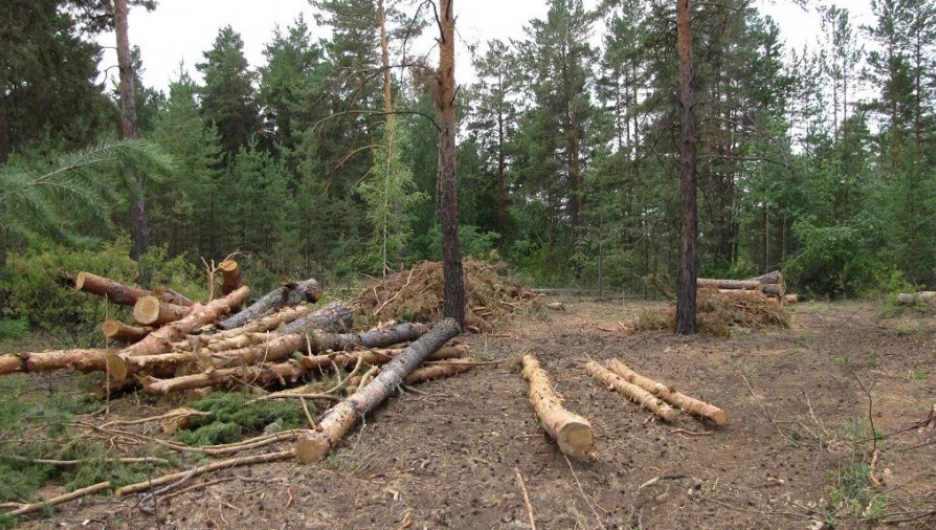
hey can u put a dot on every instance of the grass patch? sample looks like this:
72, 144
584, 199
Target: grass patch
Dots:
231, 419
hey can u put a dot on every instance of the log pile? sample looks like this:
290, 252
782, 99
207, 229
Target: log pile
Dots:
918, 299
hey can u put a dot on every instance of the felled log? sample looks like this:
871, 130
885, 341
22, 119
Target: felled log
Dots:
776, 290
116, 292
230, 276
572, 432
119, 331
689, 404
339, 419
260, 375
771, 278
336, 316
151, 310
267, 323
276, 348
790, 299
922, 297
161, 340
748, 285
632, 391
289, 294
47, 361
169, 296
440, 370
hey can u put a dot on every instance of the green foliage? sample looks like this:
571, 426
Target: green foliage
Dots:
231, 419
473, 242
13, 328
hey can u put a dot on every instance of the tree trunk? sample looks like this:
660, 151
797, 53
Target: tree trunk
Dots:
691, 405
572, 432
139, 226
340, 418
116, 292
117, 330
289, 294
686, 282
632, 391
149, 310
335, 316
47, 361
454, 288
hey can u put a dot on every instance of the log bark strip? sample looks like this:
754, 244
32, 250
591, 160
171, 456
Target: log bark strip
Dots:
572, 432
151, 310
689, 404
335, 316
339, 419
116, 292
47, 361
161, 340
632, 391
119, 331
289, 294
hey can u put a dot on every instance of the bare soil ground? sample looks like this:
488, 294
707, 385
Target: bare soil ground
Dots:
795, 453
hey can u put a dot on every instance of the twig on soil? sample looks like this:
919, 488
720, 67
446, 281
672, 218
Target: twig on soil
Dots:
42, 461
305, 409
168, 415
582, 491
813, 414
284, 395
526, 499
407, 520
691, 433
207, 468
77, 494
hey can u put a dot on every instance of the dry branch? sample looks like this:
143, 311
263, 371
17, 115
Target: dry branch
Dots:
77, 494
201, 470
689, 404
632, 391
340, 418
572, 432
290, 294
116, 292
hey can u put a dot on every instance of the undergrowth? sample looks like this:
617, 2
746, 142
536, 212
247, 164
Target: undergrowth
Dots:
231, 419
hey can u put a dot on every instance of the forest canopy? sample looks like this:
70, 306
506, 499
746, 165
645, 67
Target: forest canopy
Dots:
817, 161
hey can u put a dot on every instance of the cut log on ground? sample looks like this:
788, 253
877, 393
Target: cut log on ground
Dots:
150, 310
119, 331
259, 375
572, 432
632, 391
747, 285
339, 419
771, 278
922, 297
161, 340
440, 370
689, 404
267, 323
335, 316
47, 361
289, 294
116, 292
169, 296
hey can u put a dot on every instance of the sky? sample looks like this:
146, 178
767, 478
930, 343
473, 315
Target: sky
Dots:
179, 31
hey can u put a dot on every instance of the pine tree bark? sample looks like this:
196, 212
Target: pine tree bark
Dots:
686, 289
288, 295
116, 292
139, 225
335, 316
454, 288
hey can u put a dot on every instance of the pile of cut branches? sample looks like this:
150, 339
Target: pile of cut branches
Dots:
491, 295
719, 312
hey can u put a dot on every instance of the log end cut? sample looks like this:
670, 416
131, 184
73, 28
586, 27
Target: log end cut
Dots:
576, 438
117, 368
146, 310
313, 448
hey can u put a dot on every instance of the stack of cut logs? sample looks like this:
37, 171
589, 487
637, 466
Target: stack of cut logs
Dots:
771, 284
176, 344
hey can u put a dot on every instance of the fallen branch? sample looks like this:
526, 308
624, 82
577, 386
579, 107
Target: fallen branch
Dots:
201, 470
526, 499
340, 418
689, 404
572, 432
54, 501
632, 391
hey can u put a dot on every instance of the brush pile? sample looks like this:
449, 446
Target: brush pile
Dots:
491, 295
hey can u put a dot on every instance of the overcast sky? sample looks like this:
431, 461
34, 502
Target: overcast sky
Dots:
181, 30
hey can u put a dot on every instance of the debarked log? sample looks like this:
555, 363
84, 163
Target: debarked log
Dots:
116, 292
290, 294
336, 316
150, 310
632, 391
339, 419
119, 331
689, 404
46, 361
267, 323
572, 432
440, 370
